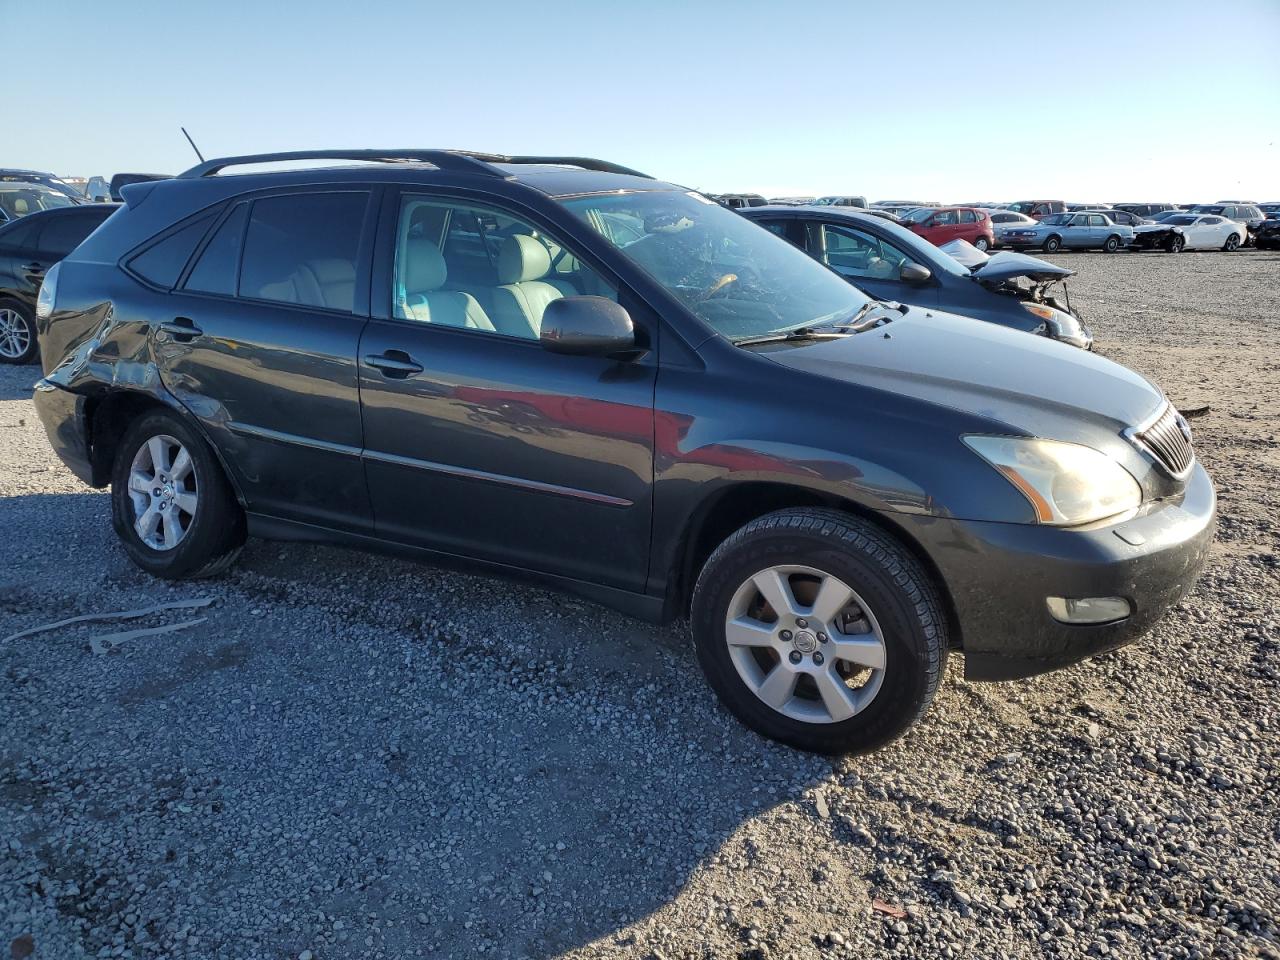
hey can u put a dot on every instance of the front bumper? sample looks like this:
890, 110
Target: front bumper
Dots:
63, 415
1000, 574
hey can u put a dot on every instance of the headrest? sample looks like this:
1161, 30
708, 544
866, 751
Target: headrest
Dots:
333, 270
424, 268
522, 258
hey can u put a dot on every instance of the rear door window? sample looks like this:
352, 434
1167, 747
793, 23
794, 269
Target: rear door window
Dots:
219, 263
62, 234
162, 262
967, 216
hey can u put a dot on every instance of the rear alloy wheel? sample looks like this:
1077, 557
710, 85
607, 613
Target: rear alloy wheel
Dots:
17, 334
1233, 242
982, 244
1112, 244
1053, 245
1176, 243
816, 629
171, 505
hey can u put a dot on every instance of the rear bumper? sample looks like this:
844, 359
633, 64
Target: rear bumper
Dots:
999, 576
63, 415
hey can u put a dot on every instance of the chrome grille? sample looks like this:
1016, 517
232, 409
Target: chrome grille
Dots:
1169, 440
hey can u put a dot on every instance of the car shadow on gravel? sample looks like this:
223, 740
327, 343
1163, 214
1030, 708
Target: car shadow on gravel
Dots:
355, 753
17, 381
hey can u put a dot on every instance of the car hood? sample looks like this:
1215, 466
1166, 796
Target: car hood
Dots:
1028, 383
998, 267
1154, 226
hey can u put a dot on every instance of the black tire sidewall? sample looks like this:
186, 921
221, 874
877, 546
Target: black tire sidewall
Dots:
1112, 244
218, 523
1052, 245
906, 687
33, 348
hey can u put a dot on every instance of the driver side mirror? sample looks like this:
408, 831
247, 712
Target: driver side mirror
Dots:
586, 326
911, 272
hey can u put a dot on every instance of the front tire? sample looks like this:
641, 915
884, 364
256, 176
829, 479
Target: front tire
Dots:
1112, 244
171, 504
818, 630
17, 333
1176, 244
1053, 245
982, 244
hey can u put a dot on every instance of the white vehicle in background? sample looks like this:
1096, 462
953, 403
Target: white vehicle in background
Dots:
1190, 231
1003, 221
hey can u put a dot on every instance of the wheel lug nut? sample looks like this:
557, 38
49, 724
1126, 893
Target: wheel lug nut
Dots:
817, 658
786, 634
822, 638
802, 622
795, 656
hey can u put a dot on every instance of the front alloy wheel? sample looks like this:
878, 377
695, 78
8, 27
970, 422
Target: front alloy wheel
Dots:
818, 629
805, 643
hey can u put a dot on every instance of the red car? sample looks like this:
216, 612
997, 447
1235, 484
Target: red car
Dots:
941, 225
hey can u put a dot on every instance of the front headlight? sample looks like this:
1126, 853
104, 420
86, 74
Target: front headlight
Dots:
1066, 483
1061, 325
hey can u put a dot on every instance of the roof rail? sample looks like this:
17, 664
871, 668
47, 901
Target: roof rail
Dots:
460, 161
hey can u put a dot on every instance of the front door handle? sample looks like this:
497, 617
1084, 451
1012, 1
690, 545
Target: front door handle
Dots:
394, 363
182, 329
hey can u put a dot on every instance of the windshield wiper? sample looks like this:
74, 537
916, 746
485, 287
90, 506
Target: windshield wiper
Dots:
858, 321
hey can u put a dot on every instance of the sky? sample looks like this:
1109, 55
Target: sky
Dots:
983, 100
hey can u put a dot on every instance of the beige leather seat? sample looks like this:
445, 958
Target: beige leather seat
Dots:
424, 273
525, 290
316, 283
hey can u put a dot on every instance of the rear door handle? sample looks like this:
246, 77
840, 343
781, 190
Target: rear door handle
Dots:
394, 363
181, 329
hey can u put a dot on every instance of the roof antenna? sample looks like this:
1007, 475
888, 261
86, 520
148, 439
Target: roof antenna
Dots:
193, 143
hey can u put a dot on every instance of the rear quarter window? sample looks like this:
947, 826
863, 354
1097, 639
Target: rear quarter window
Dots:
219, 263
162, 262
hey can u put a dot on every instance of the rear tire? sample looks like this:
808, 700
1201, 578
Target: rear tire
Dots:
1233, 243
887, 590
17, 333
1112, 244
167, 483
1053, 245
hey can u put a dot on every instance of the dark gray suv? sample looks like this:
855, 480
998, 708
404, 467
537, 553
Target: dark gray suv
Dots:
558, 369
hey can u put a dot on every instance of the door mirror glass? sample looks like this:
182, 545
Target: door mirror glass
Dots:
586, 326
911, 272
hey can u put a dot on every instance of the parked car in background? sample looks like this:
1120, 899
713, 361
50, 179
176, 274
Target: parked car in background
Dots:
14, 175
1073, 231
19, 198
944, 224
1147, 210
1270, 209
1002, 221
735, 201
1267, 236
1246, 213
839, 201
1037, 209
891, 262
1189, 231
28, 248
448, 357
122, 180
1122, 217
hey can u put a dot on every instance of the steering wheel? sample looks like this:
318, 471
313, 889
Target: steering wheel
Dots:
716, 287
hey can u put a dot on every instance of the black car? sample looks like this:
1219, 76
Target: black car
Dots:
558, 369
892, 263
1267, 235
28, 248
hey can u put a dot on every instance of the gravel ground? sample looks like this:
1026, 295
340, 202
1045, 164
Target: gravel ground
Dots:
357, 757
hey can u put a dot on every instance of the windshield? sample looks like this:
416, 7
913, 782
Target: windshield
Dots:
1057, 219
734, 275
918, 215
1180, 221
17, 200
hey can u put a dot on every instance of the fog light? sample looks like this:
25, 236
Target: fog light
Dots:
1088, 609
